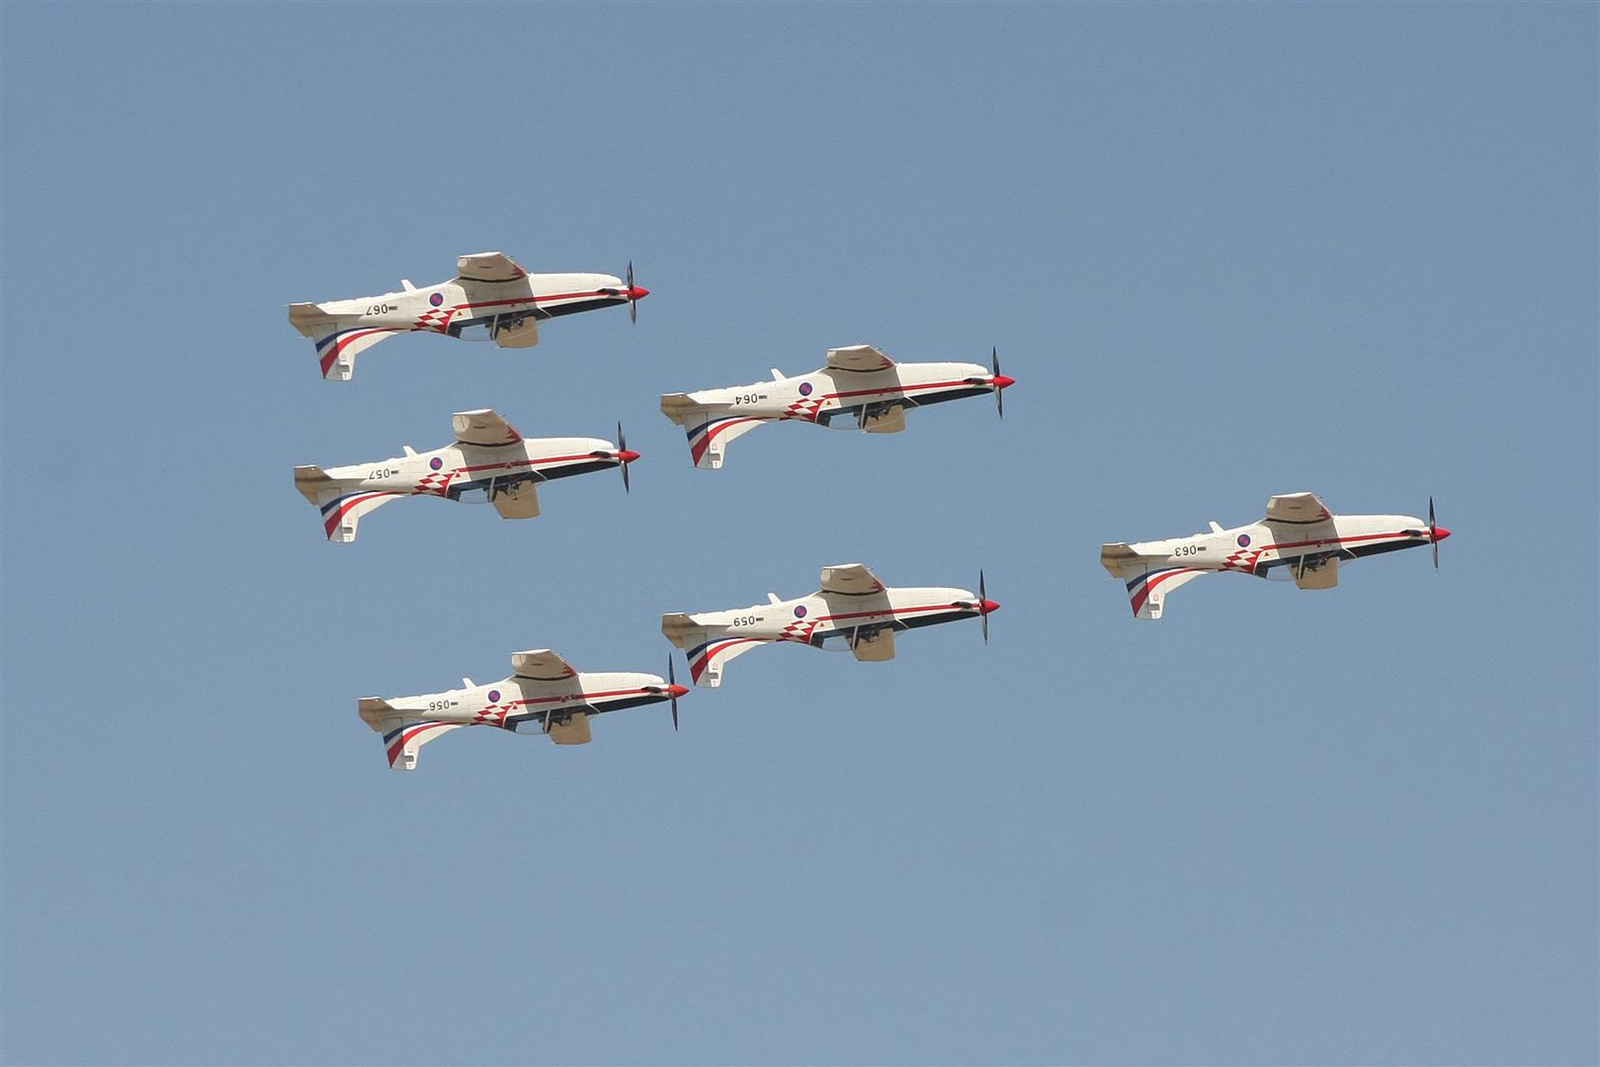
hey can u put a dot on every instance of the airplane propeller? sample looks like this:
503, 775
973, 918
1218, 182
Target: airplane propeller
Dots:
985, 605
634, 295
672, 690
624, 457
1000, 382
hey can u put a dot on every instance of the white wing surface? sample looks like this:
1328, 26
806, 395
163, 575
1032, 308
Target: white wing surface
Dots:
1298, 507
542, 665
484, 428
851, 579
859, 358
488, 267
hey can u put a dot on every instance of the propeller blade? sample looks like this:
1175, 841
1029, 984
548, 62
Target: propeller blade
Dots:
633, 304
672, 688
983, 600
622, 447
1433, 533
999, 393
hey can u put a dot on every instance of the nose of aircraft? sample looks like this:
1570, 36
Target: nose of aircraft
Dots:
1439, 534
638, 292
988, 606
1004, 381
678, 690
627, 455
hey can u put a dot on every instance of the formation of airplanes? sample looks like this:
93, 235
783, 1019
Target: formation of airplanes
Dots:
858, 387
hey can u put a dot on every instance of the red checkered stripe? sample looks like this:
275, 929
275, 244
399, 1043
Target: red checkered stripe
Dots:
435, 320
1243, 559
800, 630
436, 483
805, 409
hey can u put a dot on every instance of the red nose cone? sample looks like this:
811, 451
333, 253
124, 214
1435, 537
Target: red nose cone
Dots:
1004, 381
987, 607
627, 455
638, 292
1440, 533
678, 690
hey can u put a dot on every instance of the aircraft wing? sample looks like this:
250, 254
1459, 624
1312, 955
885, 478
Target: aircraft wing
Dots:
1298, 508
517, 501
858, 357
542, 665
850, 578
483, 427
488, 267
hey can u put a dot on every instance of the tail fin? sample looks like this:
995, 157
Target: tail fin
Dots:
709, 432
1149, 584
709, 648
342, 506
1148, 579
338, 342
402, 733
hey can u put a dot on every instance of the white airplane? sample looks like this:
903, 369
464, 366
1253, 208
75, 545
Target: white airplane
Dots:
489, 290
1299, 538
488, 457
543, 694
859, 381
852, 606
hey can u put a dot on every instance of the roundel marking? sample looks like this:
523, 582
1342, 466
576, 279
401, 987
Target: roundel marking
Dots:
435, 463
436, 299
1244, 540
800, 612
805, 388
494, 696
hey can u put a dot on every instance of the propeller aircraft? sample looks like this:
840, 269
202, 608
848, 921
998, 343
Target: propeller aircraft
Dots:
544, 694
1299, 537
859, 381
488, 457
852, 607
490, 290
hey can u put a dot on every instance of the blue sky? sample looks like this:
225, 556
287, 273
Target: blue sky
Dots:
1227, 252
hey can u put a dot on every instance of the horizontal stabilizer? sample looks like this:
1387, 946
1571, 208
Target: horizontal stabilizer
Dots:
679, 406
374, 710
311, 481
677, 627
309, 319
1114, 557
